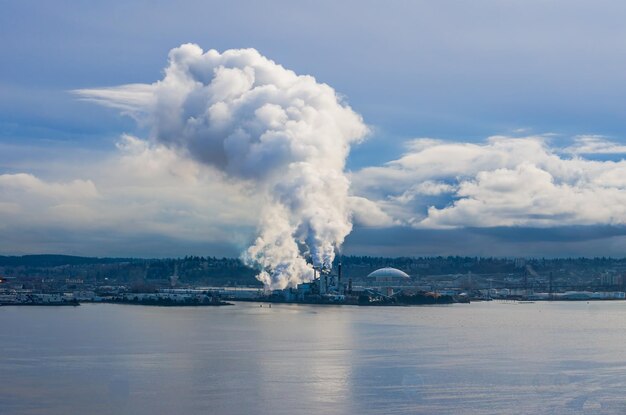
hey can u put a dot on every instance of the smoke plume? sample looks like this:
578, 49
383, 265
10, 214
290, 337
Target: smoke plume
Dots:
284, 134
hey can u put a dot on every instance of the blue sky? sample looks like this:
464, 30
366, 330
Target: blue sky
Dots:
460, 72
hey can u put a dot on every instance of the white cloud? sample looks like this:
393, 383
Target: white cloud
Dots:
369, 214
142, 189
32, 186
594, 144
426, 188
502, 182
130, 99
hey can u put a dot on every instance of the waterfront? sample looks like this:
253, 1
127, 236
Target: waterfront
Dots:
495, 357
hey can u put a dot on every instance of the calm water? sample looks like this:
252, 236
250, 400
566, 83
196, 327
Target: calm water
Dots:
553, 358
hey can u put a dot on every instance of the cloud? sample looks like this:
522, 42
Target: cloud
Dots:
130, 99
594, 144
426, 188
503, 182
369, 214
32, 186
143, 190
505, 196
572, 241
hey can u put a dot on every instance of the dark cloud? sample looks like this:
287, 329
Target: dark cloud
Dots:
500, 241
562, 234
50, 240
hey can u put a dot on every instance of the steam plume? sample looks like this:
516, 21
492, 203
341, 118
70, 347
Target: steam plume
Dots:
287, 135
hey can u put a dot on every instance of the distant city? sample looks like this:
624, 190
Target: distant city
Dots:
363, 280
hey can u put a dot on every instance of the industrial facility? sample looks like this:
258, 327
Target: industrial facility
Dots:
384, 286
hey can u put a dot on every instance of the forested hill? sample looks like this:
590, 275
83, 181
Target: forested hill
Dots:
50, 260
193, 267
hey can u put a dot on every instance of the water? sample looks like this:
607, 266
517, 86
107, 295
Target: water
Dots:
491, 358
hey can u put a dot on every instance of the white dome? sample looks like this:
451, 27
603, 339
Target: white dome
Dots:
388, 273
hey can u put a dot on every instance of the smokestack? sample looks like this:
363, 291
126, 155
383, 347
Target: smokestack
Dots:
338, 274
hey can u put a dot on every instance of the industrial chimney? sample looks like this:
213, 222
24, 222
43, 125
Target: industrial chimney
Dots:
338, 274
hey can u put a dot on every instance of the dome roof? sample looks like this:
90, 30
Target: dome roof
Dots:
388, 273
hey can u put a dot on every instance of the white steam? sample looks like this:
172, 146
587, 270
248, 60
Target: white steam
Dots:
286, 135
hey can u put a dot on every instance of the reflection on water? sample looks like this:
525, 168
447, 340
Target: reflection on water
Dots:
553, 358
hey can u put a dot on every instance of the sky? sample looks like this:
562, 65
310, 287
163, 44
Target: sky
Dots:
493, 128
